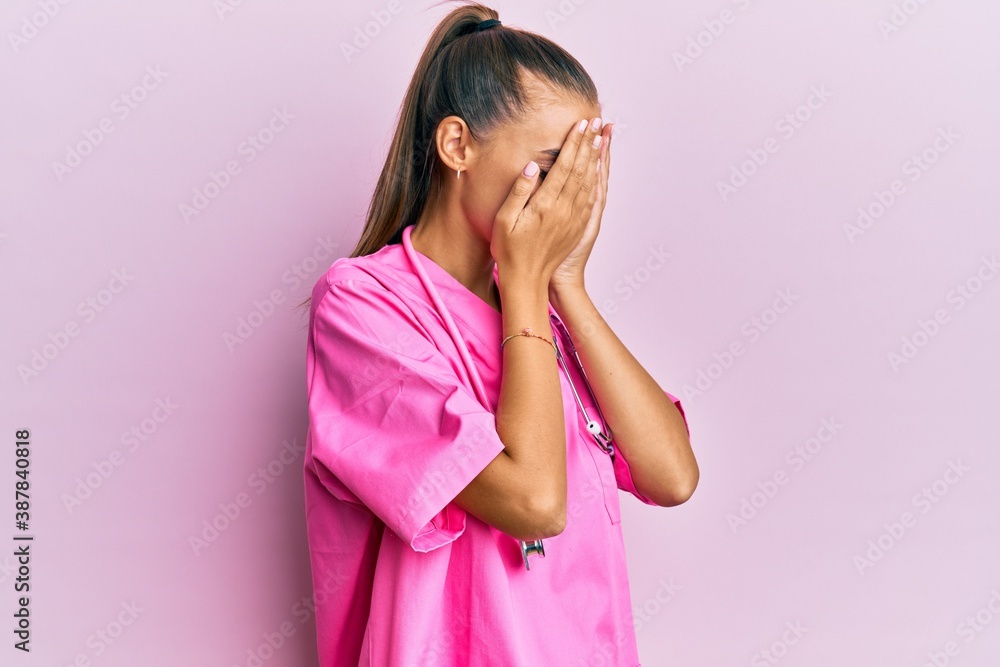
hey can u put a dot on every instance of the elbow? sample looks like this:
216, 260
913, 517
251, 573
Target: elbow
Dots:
678, 498
555, 521
679, 483
685, 492
543, 520
679, 493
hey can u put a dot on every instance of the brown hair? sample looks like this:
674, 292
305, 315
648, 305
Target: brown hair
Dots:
476, 76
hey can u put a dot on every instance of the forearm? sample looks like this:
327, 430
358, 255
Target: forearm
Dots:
648, 429
530, 417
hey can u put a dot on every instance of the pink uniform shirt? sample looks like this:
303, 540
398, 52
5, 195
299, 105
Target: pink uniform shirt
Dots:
402, 575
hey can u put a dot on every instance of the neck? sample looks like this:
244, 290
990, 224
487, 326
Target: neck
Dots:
446, 237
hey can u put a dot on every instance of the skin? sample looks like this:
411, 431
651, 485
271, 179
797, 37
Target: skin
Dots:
456, 230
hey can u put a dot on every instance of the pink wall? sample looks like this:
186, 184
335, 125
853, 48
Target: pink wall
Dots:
840, 372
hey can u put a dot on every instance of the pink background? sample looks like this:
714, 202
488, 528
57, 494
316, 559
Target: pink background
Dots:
153, 355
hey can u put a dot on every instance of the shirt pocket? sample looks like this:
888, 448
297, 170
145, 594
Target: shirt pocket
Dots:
605, 470
598, 484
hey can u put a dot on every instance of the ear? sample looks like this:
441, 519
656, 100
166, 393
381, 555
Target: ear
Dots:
454, 143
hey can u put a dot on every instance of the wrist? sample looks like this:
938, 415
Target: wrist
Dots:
562, 293
525, 304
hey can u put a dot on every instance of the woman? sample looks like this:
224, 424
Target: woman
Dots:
445, 436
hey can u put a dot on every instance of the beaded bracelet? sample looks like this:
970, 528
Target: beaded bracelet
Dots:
526, 331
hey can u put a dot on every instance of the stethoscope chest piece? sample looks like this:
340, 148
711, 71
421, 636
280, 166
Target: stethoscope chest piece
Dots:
533, 547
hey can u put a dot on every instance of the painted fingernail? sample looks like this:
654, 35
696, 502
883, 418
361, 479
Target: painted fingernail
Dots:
597, 140
595, 124
582, 127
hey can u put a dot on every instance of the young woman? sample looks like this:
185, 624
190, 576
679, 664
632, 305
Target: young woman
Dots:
460, 509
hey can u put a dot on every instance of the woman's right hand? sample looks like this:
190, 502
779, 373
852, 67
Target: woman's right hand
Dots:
533, 233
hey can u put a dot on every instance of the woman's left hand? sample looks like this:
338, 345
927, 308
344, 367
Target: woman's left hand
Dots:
569, 274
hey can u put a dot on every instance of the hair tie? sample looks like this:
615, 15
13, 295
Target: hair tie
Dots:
487, 24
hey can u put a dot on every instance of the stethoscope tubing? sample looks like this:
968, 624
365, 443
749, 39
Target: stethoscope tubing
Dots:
463, 350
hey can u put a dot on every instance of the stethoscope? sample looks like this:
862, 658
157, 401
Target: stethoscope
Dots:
471, 375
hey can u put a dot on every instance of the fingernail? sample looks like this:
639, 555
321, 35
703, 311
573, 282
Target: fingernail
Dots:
530, 169
582, 127
597, 140
596, 124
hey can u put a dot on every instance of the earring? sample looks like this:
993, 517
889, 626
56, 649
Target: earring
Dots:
459, 175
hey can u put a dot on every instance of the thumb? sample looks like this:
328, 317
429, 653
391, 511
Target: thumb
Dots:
524, 184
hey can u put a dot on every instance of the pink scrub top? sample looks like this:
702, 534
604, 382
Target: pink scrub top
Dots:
403, 576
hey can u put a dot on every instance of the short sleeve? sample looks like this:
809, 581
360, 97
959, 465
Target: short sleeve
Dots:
623, 474
388, 416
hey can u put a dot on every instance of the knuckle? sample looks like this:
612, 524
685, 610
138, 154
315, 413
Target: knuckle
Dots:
522, 188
